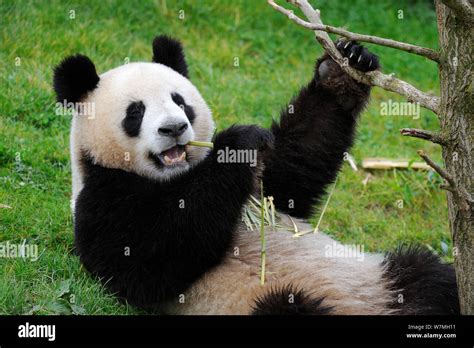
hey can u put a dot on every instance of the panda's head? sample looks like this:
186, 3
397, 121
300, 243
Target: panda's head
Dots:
139, 116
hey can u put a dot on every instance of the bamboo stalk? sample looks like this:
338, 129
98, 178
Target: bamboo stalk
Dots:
201, 144
316, 229
263, 252
385, 163
272, 210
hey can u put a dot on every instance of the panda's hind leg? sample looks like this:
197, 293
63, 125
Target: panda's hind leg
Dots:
422, 284
289, 300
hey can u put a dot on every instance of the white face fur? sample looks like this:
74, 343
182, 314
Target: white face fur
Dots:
101, 134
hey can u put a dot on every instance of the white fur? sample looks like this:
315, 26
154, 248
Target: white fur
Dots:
351, 286
101, 134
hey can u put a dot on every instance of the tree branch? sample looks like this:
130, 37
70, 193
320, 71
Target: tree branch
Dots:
461, 8
373, 78
443, 173
403, 46
461, 195
424, 134
446, 187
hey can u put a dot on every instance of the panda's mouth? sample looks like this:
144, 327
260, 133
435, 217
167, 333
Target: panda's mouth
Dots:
171, 157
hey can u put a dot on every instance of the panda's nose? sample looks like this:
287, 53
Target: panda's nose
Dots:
173, 130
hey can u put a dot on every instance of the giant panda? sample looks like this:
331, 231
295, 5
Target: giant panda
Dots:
158, 220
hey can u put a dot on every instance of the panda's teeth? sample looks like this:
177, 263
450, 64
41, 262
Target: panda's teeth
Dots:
168, 160
182, 157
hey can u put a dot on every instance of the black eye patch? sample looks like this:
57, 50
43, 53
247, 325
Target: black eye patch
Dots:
132, 122
188, 110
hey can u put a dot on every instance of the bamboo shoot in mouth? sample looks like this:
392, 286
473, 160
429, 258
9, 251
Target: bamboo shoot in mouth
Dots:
201, 144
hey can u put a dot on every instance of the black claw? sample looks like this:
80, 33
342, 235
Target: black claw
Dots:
359, 57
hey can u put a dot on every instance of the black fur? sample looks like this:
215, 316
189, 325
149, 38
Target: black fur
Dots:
170, 246
133, 119
426, 285
352, 50
289, 301
310, 142
73, 78
169, 52
188, 110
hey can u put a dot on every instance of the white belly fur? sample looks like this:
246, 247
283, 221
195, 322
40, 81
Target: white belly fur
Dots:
350, 285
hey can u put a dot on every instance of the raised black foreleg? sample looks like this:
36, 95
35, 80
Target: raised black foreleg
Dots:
315, 130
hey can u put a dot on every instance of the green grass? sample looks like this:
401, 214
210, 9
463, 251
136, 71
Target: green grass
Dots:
276, 57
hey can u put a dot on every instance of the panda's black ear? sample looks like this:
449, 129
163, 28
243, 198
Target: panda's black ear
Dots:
169, 52
74, 77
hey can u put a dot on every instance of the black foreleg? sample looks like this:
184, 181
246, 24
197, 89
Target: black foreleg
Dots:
314, 131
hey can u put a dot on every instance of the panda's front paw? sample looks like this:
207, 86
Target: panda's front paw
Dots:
359, 57
244, 137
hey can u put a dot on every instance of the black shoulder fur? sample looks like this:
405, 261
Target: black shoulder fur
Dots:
147, 240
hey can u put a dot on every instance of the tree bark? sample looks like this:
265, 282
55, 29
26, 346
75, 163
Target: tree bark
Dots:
456, 114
